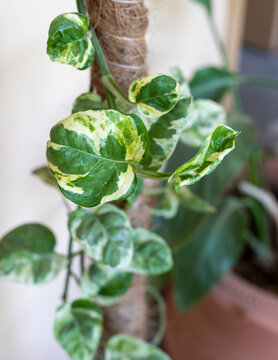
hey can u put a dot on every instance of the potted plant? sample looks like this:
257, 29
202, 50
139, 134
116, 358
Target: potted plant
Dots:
238, 318
99, 157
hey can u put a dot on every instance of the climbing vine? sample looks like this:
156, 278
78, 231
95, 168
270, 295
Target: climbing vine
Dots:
98, 157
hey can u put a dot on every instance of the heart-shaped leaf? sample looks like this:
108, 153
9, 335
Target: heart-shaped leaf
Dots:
91, 154
152, 254
125, 347
69, 41
105, 285
205, 116
105, 234
27, 255
220, 142
78, 328
154, 95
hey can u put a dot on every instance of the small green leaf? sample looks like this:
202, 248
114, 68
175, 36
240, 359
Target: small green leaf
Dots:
154, 95
125, 347
105, 234
87, 101
205, 116
165, 133
206, 3
45, 174
69, 41
27, 255
78, 328
209, 253
92, 155
220, 142
151, 255
105, 285
212, 83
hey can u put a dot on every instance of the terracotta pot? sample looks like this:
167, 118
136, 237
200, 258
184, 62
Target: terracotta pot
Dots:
237, 321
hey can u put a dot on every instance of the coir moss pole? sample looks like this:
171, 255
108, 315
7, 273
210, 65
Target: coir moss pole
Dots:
121, 26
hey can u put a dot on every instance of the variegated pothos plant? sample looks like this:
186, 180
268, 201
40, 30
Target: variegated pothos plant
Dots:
99, 156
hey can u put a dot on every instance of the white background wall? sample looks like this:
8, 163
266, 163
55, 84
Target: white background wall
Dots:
34, 94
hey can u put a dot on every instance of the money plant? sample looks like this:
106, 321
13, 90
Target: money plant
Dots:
99, 157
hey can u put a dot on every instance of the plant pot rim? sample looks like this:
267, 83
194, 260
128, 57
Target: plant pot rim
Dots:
254, 302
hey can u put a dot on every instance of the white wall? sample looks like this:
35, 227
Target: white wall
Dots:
34, 94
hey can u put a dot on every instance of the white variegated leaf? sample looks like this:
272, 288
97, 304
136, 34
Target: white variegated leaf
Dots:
92, 154
165, 133
104, 284
69, 41
125, 347
220, 142
78, 328
27, 255
151, 255
154, 95
105, 234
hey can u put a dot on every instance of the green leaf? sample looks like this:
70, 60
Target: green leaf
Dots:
105, 234
194, 202
91, 154
27, 255
87, 101
220, 142
45, 174
78, 328
212, 83
205, 116
151, 255
125, 347
69, 41
105, 285
206, 3
209, 254
165, 133
154, 95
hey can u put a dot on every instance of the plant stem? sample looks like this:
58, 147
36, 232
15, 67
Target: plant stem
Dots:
218, 40
104, 68
65, 293
81, 6
82, 266
162, 314
223, 53
149, 174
